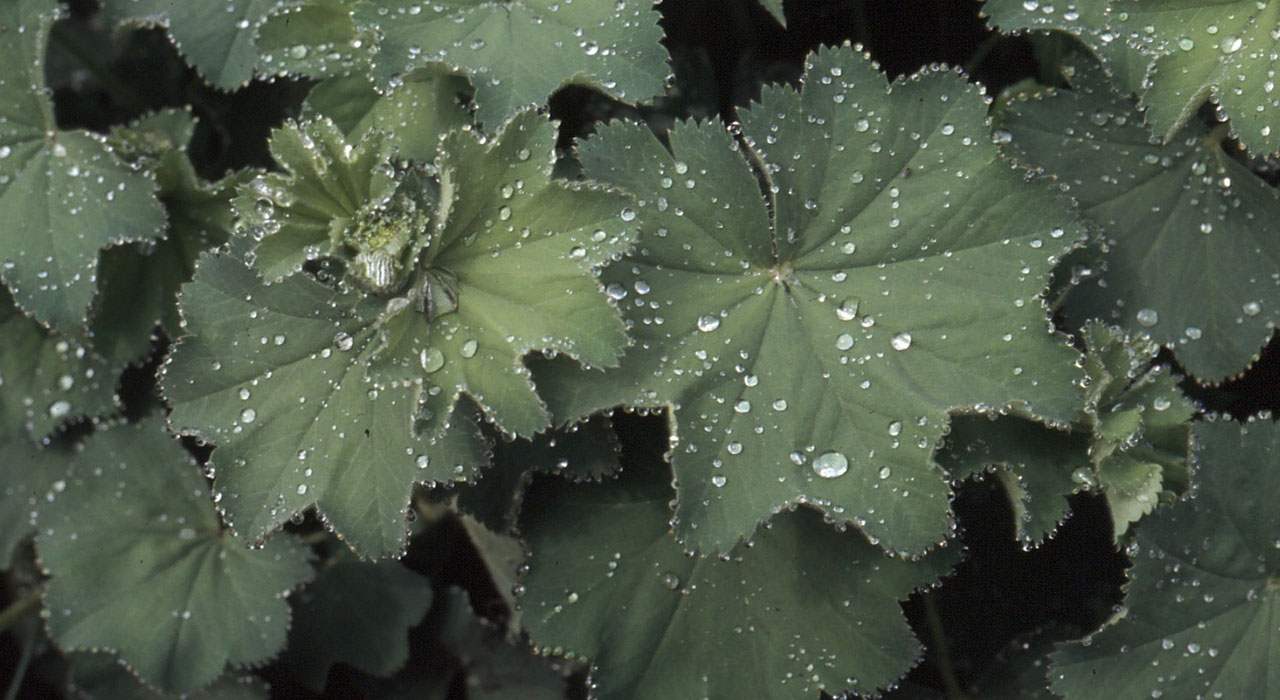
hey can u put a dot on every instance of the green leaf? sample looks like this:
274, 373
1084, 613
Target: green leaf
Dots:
216, 38
47, 379
1087, 21
63, 195
356, 613
28, 474
775, 8
502, 555
815, 355
101, 677
518, 53
138, 283
315, 38
496, 666
1140, 447
428, 100
1224, 50
172, 593
1187, 257
324, 364
608, 581
1199, 617
583, 451
1034, 463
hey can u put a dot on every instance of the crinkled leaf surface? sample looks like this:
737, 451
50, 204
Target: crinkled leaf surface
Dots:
1087, 20
1225, 49
427, 101
517, 53
1201, 604
138, 283
217, 38
804, 608
311, 394
46, 378
101, 677
63, 195
1035, 464
173, 594
356, 613
816, 354
1189, 257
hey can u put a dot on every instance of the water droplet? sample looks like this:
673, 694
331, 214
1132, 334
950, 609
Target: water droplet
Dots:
844, 341
847, 310
1186, 44
718, 480
671, 581
780, 405
302, 489
901, 341
423, 461
884, 472
1161, 403
708, 323
1252, 308
504, 212
830, 465
895, 428
1147, 317
743, 406
628, 214
343, 341
860, 125
432, 359
734, 448
59, 409
248, 415
469, 349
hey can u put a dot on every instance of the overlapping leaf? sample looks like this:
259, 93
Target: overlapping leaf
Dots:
47, 378
518, 53
172, 593
63, 194
343, 370
803, 608
217, 38
101, 677
356, 613
28, 473
1189, 257
1087, 20
815, 354
1199, 617
138, 284
315, 38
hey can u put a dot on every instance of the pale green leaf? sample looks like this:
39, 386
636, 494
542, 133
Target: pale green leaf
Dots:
346, 368
1223, 49
1087, 20
47, 379
426, 100
172, 593
1200, 608
816, 355
518, 53
63, 195
1189, 258
804, 608
357, 613
216, 38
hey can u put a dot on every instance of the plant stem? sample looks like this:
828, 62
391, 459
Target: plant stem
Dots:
938, 643
15, 684
10, 615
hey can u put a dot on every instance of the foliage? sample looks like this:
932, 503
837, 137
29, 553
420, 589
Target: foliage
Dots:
550, 349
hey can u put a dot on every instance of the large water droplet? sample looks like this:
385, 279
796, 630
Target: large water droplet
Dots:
1147, 317
248, 415
901, 341
432, 359
708, 323
830, 465
469, 349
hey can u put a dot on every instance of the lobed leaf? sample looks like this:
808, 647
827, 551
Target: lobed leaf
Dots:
801, 608
1188, 257
517, 53
813, 353
1199, 617
364, 380
47, 379
63, 194
172, 593
102, 677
